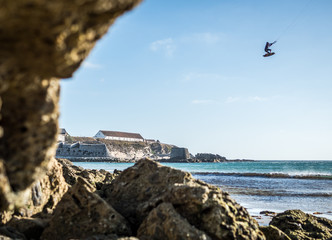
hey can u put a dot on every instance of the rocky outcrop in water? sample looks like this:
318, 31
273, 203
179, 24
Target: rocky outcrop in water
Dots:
41, 41
298, 225
209, 157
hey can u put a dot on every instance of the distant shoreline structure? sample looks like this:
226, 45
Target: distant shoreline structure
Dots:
115, 146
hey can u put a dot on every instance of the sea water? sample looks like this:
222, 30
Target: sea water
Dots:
261, 185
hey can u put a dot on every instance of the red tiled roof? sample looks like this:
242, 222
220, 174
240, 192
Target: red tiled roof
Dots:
121, 134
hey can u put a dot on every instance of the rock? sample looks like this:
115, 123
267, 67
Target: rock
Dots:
109, 237
44, 195
273, 233
209, 157
82, 213
95, 177
268, 213
163, 222
8, 233
32, 228
41, 41
141, 188
299, 225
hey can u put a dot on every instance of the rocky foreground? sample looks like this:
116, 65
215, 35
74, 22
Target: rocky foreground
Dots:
146, 201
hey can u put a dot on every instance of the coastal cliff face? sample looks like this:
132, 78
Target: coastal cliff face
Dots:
88, 149
41, 41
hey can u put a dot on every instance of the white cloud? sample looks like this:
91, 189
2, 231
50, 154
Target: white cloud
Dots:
232, 99
204, 101
167, 46
247, 99
257, 99
90, 65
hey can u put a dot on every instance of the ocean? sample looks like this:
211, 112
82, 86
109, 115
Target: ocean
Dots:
261, 185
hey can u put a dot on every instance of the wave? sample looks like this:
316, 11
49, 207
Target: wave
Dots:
273, 193
267, 175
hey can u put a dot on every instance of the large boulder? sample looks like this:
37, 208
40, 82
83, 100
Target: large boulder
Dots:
142, 188
41, 41
301, 226
81, 213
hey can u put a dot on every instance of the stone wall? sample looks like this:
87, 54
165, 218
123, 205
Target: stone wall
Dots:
180, 153
81, 150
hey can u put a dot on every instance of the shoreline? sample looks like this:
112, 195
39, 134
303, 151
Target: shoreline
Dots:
112, 160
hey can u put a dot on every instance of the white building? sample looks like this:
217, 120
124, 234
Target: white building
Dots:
120, 136
62, 135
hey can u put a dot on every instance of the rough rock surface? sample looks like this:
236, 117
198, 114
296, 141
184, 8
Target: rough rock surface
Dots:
82, 213
301, 226
44, 195
273, 233
8, 233
95, 177
164, 222
31, 228
41, 41
141, 188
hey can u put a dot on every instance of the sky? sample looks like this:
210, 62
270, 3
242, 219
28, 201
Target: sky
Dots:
191, 73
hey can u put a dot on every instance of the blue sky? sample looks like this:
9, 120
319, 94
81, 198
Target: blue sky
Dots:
193, 75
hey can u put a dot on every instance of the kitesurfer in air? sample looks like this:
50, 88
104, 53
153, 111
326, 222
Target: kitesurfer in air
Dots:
267, 45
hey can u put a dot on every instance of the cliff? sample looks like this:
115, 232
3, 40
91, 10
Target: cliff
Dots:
89, 149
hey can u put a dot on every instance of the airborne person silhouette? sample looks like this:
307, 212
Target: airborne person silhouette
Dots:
267, 45
268, 50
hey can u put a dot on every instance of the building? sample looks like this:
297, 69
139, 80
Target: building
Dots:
150, 141
62, 135
120, 136
180, 153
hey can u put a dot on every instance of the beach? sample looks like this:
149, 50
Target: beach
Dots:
259, 186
